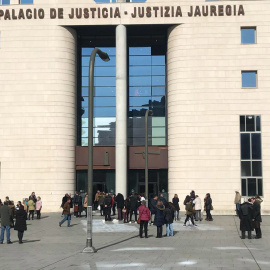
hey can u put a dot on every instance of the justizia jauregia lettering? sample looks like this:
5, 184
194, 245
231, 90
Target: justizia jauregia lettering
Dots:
167, 11
220, 10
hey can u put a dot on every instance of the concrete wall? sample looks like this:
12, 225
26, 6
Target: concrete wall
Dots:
37, 112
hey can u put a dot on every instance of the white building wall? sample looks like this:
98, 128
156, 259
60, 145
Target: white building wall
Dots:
37, 112
205, 100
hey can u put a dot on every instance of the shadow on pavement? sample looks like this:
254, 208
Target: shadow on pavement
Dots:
30, 241
115, 243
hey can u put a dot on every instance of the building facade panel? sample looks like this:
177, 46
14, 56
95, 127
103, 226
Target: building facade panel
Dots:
38, 112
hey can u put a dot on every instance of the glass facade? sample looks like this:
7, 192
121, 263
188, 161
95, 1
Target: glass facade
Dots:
251, 155
104, 98
147, 90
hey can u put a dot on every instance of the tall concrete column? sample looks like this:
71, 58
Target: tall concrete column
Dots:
121, 111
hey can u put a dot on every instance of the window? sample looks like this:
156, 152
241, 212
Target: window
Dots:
4, 2
26, 2
251, 155
115, 1
248, 35
249, 79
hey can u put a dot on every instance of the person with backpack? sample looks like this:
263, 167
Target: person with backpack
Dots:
169, 216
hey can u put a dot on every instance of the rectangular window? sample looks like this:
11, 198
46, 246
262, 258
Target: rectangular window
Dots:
249, 79
251, 155
4, 2
248, 35
24, 2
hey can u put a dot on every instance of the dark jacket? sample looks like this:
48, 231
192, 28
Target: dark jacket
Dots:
245, 215
133, 202
257, 212
20, 223
6, 215
108, 201
208, 203
119, 199
152, 205
176, 203
168, 215
159, 215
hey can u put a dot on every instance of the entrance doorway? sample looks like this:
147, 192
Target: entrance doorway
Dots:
152, 189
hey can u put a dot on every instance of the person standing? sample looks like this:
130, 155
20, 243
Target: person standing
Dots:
38, 206
31, 208
144, 215
76, 200
208, 207
198, 208
66, 212
33, 196
169, 216
101, 203
189, 212
119, 199
6, 220
107, 207
133, 207
96, 200
159, 220
245, 215
237, 202
85, 202
20, 223
175, 202
153, 204
256, 218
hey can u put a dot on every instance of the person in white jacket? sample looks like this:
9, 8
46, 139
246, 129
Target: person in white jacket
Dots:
198, 207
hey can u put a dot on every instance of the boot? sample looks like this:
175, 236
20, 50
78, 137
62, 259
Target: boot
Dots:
178, 219
243, 235
249, 234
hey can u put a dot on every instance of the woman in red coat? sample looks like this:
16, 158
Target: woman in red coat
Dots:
144, 215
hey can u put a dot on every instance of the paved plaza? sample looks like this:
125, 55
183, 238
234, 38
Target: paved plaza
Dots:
211, 245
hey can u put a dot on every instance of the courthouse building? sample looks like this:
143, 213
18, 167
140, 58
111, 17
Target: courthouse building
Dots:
201, 67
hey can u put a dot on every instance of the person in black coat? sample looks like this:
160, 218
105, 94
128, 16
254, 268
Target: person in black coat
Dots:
133, 206
20, 223
107, 207
152, 206
169, 216
256, 218
245, 215
159, 220
175, 202
119, 200
208, 206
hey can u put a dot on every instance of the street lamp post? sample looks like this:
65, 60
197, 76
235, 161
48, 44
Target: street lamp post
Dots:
148, 112
104, 56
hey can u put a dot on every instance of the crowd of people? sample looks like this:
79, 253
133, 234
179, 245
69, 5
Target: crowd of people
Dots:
20, 213
134, 208
249, 214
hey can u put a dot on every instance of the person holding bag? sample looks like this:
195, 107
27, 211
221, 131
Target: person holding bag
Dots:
144, 217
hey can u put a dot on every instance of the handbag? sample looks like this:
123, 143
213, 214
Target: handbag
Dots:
212, 208
76, 208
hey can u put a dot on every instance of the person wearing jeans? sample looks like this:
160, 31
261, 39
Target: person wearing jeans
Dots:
6, 216
66, 212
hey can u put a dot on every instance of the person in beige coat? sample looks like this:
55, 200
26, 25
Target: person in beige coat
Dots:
198, 208
237, 202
